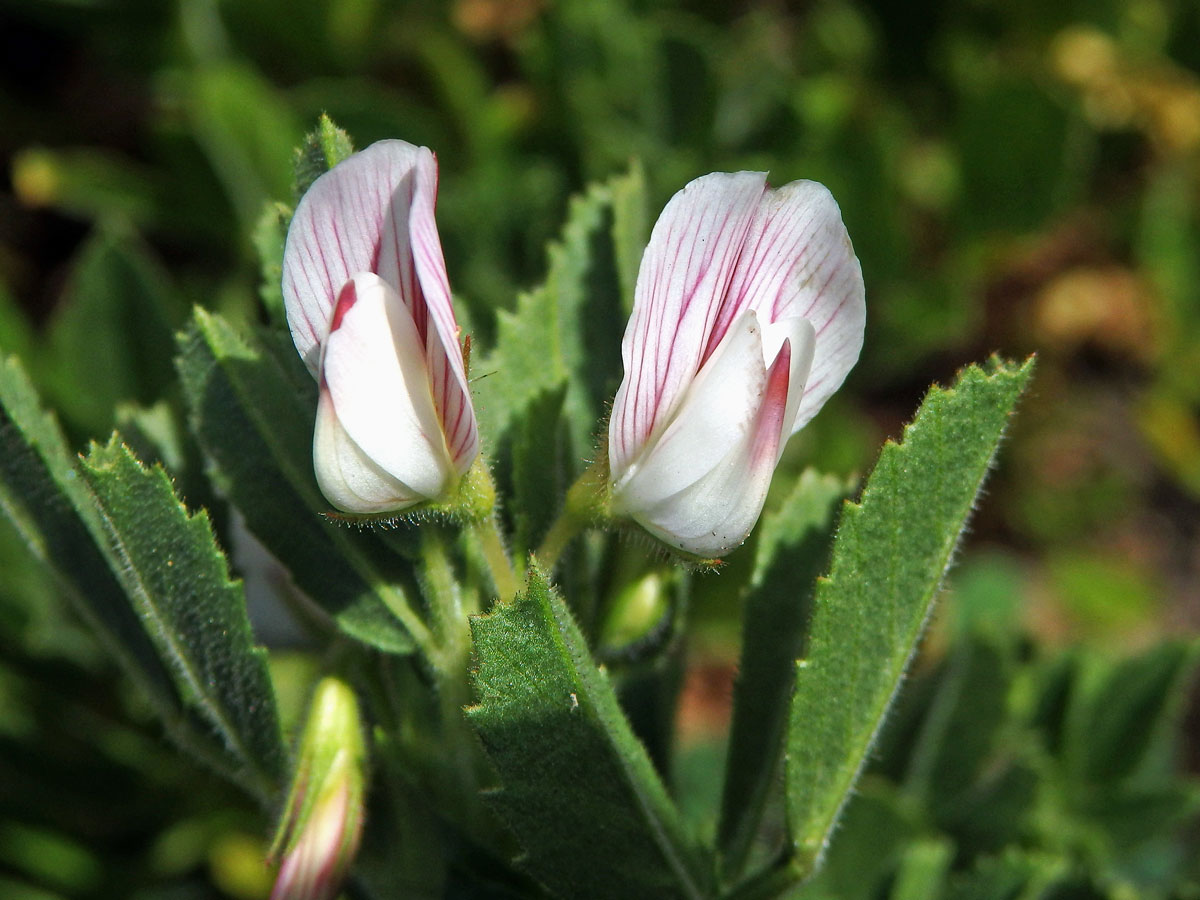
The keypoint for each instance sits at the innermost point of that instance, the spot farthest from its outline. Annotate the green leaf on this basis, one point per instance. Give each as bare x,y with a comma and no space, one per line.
577,788
177,580
110,340
889,557
269,236
1016,875
793,547
960,726
539,471
923,870
16,331
323,148
872,837
1118,716
630,230
255,425
43,497
566,332
247,131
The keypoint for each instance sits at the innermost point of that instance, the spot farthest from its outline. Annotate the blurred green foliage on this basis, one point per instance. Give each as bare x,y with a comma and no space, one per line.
1016,176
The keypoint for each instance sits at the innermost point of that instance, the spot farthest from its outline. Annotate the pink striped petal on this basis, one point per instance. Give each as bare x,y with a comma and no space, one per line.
436,322
682,283
374,373
798,261
701,485
337,231
374,213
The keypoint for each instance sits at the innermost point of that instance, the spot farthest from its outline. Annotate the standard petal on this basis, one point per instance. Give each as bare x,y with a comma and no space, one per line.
374,367
337,232
347,476
798,262
436,320
681,286
715,513
715,416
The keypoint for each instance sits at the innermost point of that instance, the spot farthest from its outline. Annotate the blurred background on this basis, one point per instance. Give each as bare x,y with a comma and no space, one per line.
1017,177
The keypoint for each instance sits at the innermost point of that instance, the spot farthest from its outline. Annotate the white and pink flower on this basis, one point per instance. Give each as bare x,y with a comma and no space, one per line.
748,313
368,302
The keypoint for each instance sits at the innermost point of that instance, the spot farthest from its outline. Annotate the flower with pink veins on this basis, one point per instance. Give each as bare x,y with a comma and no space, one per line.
368,303
748,313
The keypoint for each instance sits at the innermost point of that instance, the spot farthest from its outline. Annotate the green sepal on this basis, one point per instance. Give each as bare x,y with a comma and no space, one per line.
472,499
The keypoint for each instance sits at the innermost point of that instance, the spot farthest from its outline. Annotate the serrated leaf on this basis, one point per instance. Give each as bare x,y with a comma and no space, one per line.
577,788
891,552
176,577
565,332
42,495
256,428
792,549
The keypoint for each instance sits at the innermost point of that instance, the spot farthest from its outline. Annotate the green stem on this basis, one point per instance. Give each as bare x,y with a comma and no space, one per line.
504,577
561,533
442,590
587,504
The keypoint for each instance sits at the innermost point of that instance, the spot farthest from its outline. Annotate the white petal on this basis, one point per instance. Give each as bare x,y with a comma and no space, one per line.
713,509
374,367
682,282
450,390
714,416
347,476
337,231
798,261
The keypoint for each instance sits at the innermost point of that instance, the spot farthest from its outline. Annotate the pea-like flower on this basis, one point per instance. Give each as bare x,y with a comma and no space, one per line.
748,313
368,303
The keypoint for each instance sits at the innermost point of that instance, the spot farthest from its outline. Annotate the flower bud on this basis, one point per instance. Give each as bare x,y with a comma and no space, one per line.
368,303
322,823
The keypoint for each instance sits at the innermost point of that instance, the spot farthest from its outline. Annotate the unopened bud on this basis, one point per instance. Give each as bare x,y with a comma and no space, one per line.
321,826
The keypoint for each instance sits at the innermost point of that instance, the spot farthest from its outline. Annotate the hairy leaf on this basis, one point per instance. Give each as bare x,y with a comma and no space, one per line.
577,788
256,427
567,331
792,550
52,510
176,578
323,148
889,557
